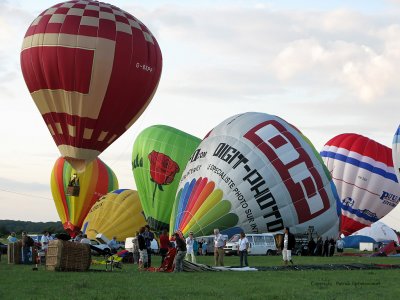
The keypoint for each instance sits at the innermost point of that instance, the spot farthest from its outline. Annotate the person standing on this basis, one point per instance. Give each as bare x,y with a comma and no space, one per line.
320,244
243,249
326,247
200,250
311,247
164,241
135,248
219,244
181,252
113,244
143,259
287,246
45,241
195,247
340,246
148,237
332,244
27,243
190,248
12,238
204,247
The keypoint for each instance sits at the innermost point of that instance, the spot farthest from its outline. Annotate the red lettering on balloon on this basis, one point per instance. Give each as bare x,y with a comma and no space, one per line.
295,167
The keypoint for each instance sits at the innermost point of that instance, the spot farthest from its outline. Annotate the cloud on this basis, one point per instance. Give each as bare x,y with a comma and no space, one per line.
14,187
258,51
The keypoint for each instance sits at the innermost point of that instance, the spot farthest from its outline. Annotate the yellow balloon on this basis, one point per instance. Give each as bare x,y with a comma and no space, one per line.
119,213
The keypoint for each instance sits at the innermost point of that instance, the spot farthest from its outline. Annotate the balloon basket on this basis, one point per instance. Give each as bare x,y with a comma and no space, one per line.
73,191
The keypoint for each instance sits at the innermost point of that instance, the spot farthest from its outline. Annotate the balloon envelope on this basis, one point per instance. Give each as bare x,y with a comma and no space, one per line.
396,153
256,173
159,156
97,180
118,213
363,173
91,69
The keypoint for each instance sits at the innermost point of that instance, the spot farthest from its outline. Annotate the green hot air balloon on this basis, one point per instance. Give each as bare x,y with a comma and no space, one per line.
160,154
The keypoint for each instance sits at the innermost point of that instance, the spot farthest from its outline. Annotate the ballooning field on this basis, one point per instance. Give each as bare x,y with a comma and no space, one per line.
19,281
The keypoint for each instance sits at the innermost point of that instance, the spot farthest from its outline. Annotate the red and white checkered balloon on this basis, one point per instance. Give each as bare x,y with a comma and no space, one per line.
91,69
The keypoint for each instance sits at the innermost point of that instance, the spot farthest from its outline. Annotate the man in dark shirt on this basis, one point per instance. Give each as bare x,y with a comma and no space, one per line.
142,250
148,237
181,252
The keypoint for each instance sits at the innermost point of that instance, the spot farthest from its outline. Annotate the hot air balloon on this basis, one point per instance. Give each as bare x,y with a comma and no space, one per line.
363,173
159,155
91,69
97,180
118,213
396,153
255,173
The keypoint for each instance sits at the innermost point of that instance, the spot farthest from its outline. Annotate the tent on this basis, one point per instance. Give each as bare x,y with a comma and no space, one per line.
379,232
353,241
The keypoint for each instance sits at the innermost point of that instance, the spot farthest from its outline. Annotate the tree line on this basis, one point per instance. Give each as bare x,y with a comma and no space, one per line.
8,226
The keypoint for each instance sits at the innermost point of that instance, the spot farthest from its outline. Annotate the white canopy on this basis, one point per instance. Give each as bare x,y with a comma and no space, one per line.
379,232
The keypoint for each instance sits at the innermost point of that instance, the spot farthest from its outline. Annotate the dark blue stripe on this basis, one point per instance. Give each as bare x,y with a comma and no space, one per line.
360,164
358,213
119,191
84,227
396,138
398,131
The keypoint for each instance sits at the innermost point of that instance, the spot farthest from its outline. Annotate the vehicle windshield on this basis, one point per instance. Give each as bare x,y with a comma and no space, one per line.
234,238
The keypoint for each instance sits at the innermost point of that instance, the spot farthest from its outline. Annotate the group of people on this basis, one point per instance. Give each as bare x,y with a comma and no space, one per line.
142,247
27,243
186,248
325,248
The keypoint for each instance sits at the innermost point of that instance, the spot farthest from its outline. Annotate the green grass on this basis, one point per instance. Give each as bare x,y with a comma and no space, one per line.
20,282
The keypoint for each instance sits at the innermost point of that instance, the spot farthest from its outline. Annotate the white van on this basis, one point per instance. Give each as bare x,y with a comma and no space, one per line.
259,244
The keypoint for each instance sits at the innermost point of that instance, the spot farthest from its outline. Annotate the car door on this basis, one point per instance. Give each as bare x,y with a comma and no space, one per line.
270,244
258,245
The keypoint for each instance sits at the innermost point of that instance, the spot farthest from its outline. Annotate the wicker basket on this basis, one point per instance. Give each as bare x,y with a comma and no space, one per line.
67,256
14,253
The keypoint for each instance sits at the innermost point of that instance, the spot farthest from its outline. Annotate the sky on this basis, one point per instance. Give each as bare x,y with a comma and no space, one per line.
327,67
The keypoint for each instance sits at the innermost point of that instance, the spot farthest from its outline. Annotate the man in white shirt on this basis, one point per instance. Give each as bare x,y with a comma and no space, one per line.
340,246
219,244
189,248
287,246
243,248
45,241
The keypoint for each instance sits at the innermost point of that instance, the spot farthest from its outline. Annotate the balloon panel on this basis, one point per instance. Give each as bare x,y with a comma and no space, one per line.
363,173
256,173
91,69
97,180
118,213
159,155
396,153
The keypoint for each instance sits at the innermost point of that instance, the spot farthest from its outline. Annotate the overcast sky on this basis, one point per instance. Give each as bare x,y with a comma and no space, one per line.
327,67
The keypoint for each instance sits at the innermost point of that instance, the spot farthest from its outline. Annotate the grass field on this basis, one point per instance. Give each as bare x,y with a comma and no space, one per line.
20,282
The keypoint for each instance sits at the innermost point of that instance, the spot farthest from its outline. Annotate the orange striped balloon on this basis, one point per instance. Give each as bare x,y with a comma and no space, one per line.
97,180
